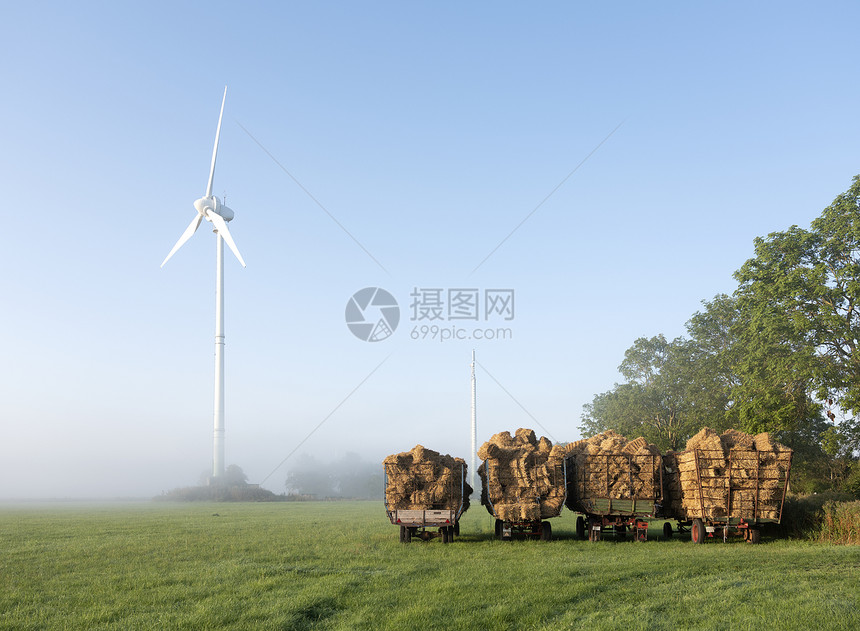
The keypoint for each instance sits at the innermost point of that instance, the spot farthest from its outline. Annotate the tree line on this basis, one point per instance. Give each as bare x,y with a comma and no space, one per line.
346,477
781,354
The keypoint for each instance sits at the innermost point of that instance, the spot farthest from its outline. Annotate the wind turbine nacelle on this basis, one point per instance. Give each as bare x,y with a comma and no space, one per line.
212,204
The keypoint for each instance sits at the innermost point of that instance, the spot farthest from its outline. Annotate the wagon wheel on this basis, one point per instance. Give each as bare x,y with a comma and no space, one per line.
580,527
755,535
667,530
402,530
457,528
546,531
499,529
620,532
697,531
405,534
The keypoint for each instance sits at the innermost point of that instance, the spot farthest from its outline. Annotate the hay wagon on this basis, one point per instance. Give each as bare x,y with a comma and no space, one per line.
731,492
522,495
432,511
614,492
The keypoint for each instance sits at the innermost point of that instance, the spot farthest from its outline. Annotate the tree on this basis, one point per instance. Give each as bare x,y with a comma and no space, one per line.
669,395
234,476
309,477
800,298
347,477
355,478
631,410
713,332
837,446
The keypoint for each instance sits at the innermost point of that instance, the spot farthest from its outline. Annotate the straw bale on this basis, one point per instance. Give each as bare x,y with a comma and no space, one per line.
489,450
527,436
557,452
634,445
519,511
610,445
732,438
763,442
706,439
544,446
551,506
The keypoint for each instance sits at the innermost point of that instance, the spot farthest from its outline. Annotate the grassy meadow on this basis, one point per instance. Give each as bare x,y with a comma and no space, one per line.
339,565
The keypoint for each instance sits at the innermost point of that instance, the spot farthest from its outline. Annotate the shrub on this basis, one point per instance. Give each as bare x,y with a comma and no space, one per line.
221,493
803,515
840,523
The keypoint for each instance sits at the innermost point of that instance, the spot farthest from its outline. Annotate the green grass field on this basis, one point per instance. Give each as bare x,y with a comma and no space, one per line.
339,565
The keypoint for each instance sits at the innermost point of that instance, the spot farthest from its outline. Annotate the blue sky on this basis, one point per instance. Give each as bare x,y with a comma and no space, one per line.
429,131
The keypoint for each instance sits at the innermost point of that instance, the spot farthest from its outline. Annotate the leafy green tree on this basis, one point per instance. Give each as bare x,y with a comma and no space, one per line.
632,410
838,447
714,338
800,303
669,394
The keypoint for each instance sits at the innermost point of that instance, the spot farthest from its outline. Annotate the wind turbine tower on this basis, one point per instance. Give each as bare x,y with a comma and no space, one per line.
473,470
215,212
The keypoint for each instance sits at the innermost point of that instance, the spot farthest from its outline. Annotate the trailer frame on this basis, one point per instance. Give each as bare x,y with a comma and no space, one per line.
742,495
415,523
601,513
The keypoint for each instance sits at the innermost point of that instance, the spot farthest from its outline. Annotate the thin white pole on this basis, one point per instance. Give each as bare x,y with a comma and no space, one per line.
473,470
218,446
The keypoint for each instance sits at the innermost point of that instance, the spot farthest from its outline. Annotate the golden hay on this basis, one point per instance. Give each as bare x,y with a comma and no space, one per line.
521,477
706,439
609,466
732,475
423,479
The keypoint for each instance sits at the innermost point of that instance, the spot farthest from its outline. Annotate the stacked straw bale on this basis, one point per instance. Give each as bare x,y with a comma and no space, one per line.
610,466
737,476
522,478
423,479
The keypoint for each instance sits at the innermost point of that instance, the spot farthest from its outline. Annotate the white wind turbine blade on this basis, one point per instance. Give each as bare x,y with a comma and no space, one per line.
190,230
215,149
221,226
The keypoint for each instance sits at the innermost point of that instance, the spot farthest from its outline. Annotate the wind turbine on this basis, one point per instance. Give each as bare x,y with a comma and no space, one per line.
212,210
